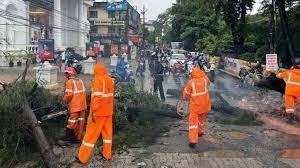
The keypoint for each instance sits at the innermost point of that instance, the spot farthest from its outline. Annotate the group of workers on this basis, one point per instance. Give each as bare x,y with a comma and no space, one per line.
100,115
99,120
102,102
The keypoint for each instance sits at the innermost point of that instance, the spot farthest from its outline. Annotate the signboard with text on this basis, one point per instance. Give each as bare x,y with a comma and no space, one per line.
271,62
232,65
117,6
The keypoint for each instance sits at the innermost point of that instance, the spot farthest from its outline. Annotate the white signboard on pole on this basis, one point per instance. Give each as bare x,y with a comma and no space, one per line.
271,62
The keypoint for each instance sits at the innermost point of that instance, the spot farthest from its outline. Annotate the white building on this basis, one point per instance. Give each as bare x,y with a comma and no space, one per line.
71,27
67,22
14,31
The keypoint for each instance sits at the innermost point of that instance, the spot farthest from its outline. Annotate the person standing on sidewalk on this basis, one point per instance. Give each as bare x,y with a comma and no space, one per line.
158,78
196,91
292,90
75,97
100,117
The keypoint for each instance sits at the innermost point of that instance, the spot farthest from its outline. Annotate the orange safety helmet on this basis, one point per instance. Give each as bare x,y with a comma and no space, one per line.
70,72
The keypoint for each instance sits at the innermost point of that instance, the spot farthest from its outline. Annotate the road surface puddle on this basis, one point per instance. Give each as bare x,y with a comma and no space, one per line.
236,135
222,154
293,153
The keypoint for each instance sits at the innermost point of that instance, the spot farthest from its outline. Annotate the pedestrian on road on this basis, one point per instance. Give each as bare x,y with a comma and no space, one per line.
196,91
292,90
75,97
100,117
158,78
58,61
121,68
152,62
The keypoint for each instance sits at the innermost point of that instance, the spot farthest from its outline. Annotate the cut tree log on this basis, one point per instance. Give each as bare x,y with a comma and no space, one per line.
3,85
45,149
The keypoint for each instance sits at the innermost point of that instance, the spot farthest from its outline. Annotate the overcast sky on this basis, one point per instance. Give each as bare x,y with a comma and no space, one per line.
156,7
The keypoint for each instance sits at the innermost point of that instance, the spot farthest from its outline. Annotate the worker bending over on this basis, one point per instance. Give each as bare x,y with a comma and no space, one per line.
75,97
292,89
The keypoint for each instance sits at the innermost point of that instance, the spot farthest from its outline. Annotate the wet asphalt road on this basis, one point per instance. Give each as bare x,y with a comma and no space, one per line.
261,142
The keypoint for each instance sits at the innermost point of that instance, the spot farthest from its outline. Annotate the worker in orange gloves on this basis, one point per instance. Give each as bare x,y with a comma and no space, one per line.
196,91
75,97
292,89
100,117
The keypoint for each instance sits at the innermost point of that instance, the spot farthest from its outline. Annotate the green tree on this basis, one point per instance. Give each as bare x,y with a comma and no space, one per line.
193,20
234,13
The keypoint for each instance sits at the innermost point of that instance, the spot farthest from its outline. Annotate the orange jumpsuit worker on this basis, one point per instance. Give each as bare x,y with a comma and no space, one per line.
292,90
197,91
100,117
75,97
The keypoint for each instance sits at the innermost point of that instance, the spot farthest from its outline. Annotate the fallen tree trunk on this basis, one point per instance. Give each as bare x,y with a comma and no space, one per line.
3,85
45,149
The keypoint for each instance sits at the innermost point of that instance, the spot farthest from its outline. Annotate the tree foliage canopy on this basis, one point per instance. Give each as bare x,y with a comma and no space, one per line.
218,26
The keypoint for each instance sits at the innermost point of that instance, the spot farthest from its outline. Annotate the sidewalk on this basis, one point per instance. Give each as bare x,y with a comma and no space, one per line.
185,160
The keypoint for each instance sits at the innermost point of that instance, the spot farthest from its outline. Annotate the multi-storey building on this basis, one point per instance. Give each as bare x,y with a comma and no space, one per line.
115,23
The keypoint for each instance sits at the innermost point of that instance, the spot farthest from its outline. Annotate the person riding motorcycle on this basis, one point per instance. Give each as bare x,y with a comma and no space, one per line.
121,68
202,61
141,66
186,63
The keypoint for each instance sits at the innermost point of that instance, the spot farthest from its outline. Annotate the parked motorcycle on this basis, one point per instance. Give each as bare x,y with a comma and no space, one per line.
249,76
256,73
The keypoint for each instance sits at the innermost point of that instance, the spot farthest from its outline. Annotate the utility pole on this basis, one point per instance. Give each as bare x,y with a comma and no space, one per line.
273,28
143,11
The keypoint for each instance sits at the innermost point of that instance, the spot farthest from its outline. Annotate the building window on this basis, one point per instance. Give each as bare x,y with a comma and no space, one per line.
123,16
93,14
94,30
111,14
111,29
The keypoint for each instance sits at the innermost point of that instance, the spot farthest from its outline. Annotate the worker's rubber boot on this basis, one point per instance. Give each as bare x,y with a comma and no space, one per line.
192,145
74,139
69,135
65,141
103,158
291,117
200,134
